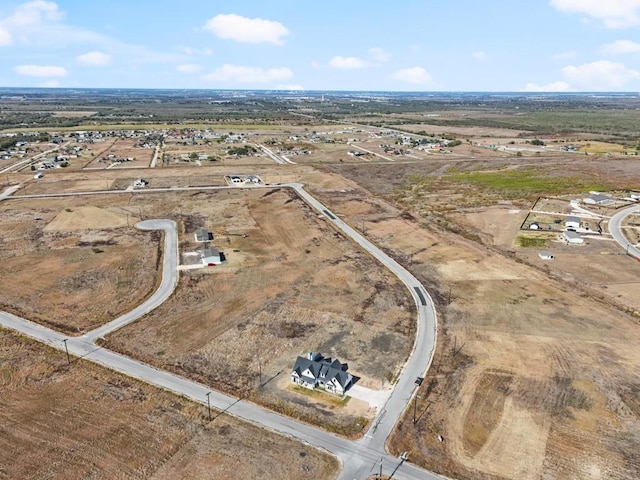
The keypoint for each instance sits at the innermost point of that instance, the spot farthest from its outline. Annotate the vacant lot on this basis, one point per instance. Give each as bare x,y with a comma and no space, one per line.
86,422
74,268
528,360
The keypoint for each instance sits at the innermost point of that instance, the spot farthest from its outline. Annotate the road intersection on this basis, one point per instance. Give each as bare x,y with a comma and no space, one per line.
360,458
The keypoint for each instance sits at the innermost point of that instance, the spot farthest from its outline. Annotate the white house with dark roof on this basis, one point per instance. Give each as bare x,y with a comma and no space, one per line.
314,370
203,235
597,199
572,237
211,256
572,222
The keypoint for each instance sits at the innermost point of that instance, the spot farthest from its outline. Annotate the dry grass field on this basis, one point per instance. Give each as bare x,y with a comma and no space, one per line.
73,268
84,422
536,357
291,284
536,370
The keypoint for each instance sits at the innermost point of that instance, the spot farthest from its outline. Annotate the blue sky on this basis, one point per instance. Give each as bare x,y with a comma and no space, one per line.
410,45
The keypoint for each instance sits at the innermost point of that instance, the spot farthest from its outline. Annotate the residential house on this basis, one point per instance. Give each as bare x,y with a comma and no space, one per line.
203,235
572,222
597,199
572,237
211,256
140,182
316,371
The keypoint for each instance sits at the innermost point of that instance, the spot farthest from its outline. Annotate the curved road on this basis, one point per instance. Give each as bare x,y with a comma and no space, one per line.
615,223
167,285
360,458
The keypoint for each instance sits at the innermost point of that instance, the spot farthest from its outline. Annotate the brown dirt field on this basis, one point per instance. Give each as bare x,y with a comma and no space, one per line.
81,278
330,297
541,364
87,422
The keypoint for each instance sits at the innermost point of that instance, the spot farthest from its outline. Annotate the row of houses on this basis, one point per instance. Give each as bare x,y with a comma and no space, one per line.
209,256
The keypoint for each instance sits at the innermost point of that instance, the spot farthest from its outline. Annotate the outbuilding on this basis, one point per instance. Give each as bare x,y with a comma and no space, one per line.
546,255
572,222
572,237
203,235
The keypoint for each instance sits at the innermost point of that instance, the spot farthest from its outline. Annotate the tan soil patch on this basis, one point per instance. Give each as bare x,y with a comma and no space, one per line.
87,422
87,218
573,359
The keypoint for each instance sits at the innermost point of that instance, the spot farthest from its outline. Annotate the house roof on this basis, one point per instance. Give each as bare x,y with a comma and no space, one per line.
211,252
571,235
322,368
572,219
599,198
203,235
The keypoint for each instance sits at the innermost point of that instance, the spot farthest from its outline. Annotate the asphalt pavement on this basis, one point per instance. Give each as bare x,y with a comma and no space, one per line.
615,223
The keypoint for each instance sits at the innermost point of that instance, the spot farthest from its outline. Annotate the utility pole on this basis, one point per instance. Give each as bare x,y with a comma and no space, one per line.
260,370
209,405
380,476
67,350
415,407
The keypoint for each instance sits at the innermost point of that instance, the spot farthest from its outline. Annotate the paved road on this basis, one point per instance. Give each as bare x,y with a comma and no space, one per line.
424,346
276,158
9,191
21,164
167,285
615,229
360,458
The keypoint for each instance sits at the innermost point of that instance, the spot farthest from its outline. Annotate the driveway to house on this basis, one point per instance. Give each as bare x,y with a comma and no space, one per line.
615,229
360,458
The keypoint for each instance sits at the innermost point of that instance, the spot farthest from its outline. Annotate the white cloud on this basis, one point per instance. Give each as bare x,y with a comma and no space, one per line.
479,55
32,14
621,47
26,16
379,55
189,68
549,87
242,74
5,37
564,55
415,75
347,63
194,51
601,75
613,13
246,30
44,71
94,59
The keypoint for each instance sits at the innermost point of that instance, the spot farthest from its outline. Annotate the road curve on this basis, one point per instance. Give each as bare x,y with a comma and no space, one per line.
425,341
360,458
167,285
615,224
